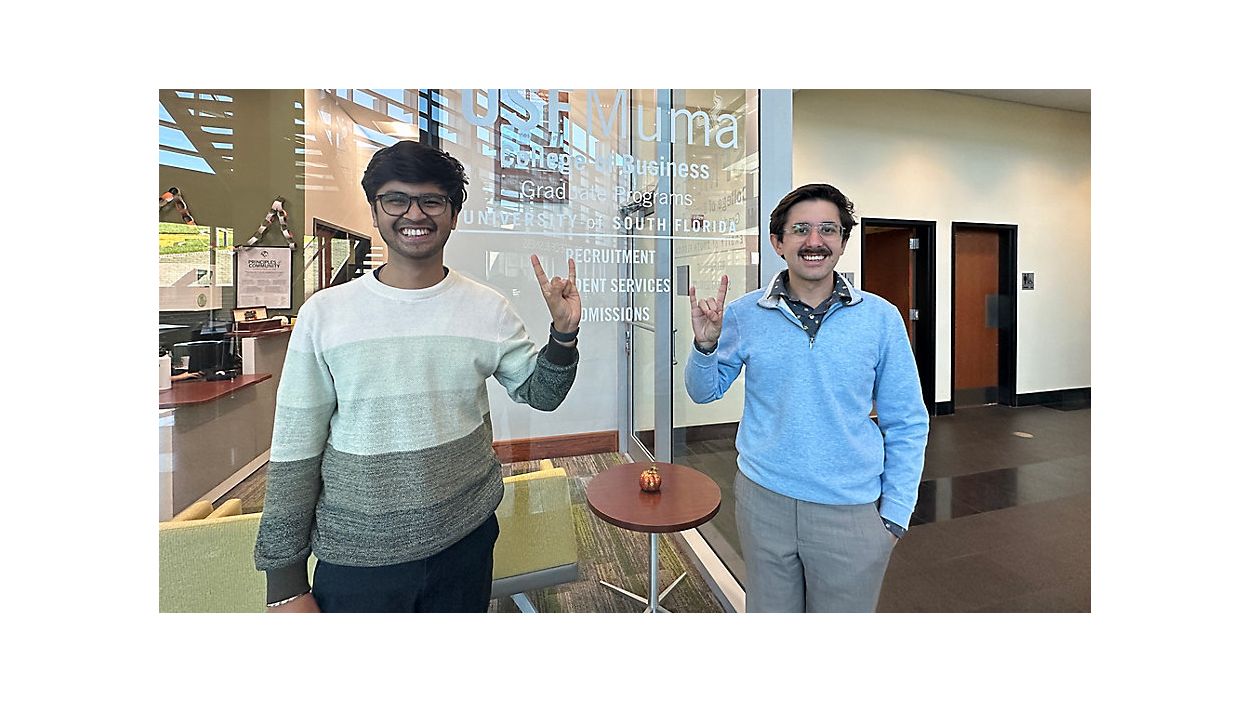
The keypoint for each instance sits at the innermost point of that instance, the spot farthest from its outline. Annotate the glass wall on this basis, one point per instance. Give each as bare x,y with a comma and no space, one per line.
646,191
722,212
225,157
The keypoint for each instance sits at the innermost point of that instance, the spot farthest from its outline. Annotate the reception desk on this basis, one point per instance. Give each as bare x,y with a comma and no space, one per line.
184,393
214,434
263,351
217,433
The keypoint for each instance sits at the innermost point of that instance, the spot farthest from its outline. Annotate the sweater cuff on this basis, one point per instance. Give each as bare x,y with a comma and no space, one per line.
895,529
286,581
701,358
895,513
559,354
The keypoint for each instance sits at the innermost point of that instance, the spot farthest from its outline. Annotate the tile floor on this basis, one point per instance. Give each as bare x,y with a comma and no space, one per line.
1002,520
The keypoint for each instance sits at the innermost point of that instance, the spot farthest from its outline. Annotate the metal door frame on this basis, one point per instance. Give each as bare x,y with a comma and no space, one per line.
664,358
926,297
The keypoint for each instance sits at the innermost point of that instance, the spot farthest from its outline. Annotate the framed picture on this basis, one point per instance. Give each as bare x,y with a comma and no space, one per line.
263,277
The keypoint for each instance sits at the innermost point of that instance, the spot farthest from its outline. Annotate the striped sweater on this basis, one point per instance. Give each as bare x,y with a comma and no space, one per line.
382,438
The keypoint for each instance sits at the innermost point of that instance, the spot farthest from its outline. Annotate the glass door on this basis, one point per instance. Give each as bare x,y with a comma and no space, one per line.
719,215
645,213
693,221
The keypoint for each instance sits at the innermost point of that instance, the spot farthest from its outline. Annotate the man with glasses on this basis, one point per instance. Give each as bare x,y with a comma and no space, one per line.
382,463
822,491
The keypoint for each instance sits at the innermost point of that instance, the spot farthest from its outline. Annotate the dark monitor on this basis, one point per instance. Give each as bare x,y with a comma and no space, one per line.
202,355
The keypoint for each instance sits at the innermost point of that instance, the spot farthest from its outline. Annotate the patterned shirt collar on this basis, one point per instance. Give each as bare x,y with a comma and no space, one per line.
782,288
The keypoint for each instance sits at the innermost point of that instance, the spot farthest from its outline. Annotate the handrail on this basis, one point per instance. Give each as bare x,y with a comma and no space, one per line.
310,260
357,257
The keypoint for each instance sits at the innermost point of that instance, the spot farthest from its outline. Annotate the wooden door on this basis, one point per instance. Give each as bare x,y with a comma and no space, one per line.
890,270
976,325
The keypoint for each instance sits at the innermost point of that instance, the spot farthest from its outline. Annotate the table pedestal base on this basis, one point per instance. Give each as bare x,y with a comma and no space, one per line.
653,601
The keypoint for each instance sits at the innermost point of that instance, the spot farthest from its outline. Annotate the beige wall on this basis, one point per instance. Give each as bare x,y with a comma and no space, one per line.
928,155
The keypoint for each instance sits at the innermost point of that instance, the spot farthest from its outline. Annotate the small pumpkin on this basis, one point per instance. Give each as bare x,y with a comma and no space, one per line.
649,480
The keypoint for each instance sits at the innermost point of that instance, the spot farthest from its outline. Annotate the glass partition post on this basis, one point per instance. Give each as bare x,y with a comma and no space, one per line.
664,360
640,216
650,209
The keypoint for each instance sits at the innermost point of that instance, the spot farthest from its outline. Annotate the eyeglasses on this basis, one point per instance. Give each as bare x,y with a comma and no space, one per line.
396,204
826,229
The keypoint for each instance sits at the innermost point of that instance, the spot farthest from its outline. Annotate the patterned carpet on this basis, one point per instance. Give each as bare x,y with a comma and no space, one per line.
605,552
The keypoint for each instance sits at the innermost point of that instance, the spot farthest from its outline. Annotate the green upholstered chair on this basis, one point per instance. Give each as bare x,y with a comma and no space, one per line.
537,546
206,564
198,510
234,506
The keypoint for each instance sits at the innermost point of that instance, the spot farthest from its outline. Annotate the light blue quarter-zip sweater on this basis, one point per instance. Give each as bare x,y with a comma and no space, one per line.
805,430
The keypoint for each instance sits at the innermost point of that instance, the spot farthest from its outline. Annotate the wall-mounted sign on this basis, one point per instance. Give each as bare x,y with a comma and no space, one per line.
263,277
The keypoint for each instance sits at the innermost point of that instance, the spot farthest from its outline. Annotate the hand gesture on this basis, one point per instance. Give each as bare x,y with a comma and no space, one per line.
561,295
706,316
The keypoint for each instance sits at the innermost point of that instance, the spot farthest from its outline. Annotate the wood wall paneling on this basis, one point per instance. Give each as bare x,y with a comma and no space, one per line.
532,448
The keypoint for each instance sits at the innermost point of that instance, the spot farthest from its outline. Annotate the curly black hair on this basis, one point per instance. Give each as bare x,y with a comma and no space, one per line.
414,162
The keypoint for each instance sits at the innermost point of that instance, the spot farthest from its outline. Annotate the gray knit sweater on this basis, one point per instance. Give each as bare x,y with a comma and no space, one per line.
382,438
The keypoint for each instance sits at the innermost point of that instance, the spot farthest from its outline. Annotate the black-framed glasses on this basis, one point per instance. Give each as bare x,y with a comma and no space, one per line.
826,229
396,204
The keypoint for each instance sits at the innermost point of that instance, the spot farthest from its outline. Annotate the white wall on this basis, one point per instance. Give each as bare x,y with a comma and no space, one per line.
928,155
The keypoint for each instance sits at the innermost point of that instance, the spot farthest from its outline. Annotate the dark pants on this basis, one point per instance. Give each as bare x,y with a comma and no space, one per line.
456,580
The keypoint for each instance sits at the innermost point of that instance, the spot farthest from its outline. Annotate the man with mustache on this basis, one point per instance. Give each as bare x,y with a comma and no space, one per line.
822,492
382,463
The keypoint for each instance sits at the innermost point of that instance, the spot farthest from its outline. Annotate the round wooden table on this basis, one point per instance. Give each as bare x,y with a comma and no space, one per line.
686,499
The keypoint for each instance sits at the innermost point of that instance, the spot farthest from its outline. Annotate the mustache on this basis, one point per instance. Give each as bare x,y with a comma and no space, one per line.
819,250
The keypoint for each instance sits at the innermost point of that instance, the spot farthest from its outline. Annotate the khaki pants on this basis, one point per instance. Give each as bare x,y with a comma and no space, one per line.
808,557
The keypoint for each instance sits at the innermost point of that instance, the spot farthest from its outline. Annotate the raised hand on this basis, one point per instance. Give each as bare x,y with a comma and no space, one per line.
561,295
707,315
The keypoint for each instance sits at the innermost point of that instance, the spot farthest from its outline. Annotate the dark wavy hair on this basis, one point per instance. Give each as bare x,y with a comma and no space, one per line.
813,191
414,162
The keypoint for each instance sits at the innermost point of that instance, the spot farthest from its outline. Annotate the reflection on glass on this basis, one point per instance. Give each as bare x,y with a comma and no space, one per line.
721,210
228,154
598,176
